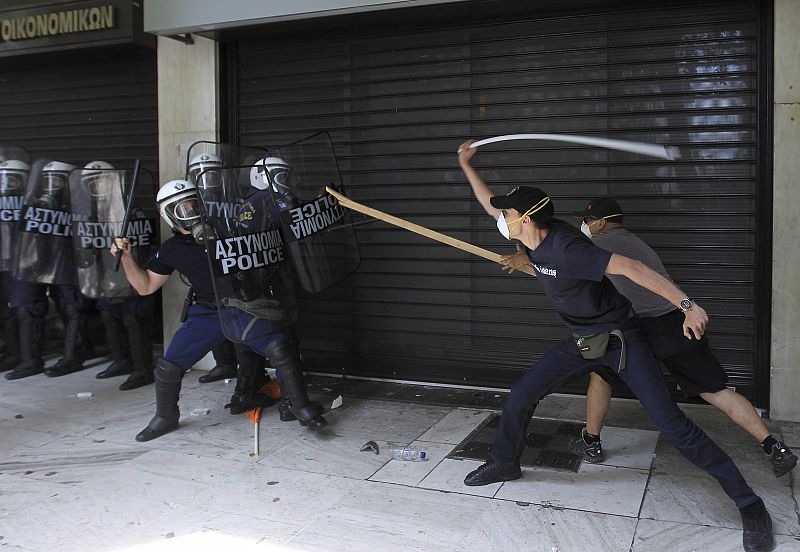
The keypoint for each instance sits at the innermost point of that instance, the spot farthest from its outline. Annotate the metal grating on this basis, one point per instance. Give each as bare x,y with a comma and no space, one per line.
545,444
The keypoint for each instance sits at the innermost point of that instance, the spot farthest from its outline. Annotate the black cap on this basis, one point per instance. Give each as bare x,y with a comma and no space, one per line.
602,207
529,201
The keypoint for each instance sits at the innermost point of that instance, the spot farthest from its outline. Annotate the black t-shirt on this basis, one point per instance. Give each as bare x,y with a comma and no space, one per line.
572,272
183,254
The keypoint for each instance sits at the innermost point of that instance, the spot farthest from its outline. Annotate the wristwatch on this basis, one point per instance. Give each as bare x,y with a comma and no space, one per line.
686,304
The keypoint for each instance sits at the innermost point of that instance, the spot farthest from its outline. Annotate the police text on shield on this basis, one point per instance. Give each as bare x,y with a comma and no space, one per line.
248,252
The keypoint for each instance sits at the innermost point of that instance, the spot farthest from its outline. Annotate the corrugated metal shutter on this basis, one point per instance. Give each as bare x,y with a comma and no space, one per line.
83,105
399,97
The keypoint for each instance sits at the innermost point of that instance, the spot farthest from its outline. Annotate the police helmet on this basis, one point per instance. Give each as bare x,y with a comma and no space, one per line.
270,170
201,172
178,204
13,176
95,181
54,177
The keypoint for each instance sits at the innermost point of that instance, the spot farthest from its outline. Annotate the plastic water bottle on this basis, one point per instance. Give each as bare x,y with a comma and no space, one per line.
408,454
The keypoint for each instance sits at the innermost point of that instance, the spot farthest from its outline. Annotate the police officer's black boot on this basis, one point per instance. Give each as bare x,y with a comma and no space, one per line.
119,365
225,358
168,390
283,356
71,361
251,377
30,342
11,335
141,352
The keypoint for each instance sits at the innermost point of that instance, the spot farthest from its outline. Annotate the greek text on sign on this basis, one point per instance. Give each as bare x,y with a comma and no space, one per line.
248,252
47,221
10,207
315,216
100,235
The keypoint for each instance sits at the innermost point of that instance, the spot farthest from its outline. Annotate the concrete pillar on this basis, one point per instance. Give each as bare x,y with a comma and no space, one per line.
188,110
785,346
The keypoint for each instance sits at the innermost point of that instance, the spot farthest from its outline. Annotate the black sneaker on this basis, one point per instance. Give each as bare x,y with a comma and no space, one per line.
756,527
783,460
492,472
591,452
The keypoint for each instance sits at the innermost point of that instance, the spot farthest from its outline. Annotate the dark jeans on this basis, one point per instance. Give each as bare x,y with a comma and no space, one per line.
643,377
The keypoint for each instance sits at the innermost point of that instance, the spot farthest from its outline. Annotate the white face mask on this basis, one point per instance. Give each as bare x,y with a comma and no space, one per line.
502,226
585,227
585,230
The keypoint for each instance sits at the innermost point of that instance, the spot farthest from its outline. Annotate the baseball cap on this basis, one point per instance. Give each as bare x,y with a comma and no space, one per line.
529,201
601,207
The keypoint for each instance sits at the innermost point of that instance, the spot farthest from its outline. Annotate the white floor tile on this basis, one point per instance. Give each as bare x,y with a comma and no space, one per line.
602,489
510,527
411,473
449,476
456,426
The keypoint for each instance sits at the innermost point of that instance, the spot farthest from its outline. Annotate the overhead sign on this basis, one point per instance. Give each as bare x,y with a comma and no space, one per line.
57,23
69,25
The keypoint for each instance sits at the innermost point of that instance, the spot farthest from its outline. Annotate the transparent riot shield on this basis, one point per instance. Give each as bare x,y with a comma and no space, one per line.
319,232
14,173
202,156
98,199
44,241
249,265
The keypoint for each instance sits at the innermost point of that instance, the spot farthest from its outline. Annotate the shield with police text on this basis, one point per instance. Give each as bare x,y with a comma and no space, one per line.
44,241
14,172
249,264
319,232
98,199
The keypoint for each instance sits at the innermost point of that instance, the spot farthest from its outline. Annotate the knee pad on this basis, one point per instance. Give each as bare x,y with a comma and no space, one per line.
168,372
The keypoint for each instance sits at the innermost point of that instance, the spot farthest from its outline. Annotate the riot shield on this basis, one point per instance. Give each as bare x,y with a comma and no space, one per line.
14,173
44,249
98,199
319,232
249,265
202,156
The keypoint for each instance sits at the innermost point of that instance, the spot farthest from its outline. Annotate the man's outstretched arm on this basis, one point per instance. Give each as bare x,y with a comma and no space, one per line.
482,192
145,282
696,318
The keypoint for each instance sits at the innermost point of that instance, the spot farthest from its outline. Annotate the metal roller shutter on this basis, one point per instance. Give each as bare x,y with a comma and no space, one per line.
400,91
83,105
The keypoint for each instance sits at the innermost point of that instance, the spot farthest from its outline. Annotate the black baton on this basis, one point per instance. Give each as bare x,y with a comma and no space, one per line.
128,209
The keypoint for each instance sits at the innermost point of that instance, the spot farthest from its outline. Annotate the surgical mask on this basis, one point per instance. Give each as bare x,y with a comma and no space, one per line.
585,227
502,226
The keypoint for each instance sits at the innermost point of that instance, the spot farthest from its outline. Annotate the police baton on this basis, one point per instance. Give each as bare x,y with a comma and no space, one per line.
128,209
422,231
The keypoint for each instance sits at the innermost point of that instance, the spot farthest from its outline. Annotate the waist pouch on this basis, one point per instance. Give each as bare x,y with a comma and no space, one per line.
592,347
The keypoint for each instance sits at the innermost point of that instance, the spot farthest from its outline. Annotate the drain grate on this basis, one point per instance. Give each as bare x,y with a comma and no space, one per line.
545,444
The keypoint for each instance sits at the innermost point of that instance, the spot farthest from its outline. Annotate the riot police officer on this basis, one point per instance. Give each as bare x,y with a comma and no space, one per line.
45,259
13,179
179,206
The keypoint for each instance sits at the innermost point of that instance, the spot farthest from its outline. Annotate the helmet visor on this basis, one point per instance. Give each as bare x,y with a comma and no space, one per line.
209,180
99,185
10,182
187,212
52,183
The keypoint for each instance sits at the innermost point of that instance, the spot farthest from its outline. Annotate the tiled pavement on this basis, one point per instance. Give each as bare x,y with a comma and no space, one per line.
73,478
